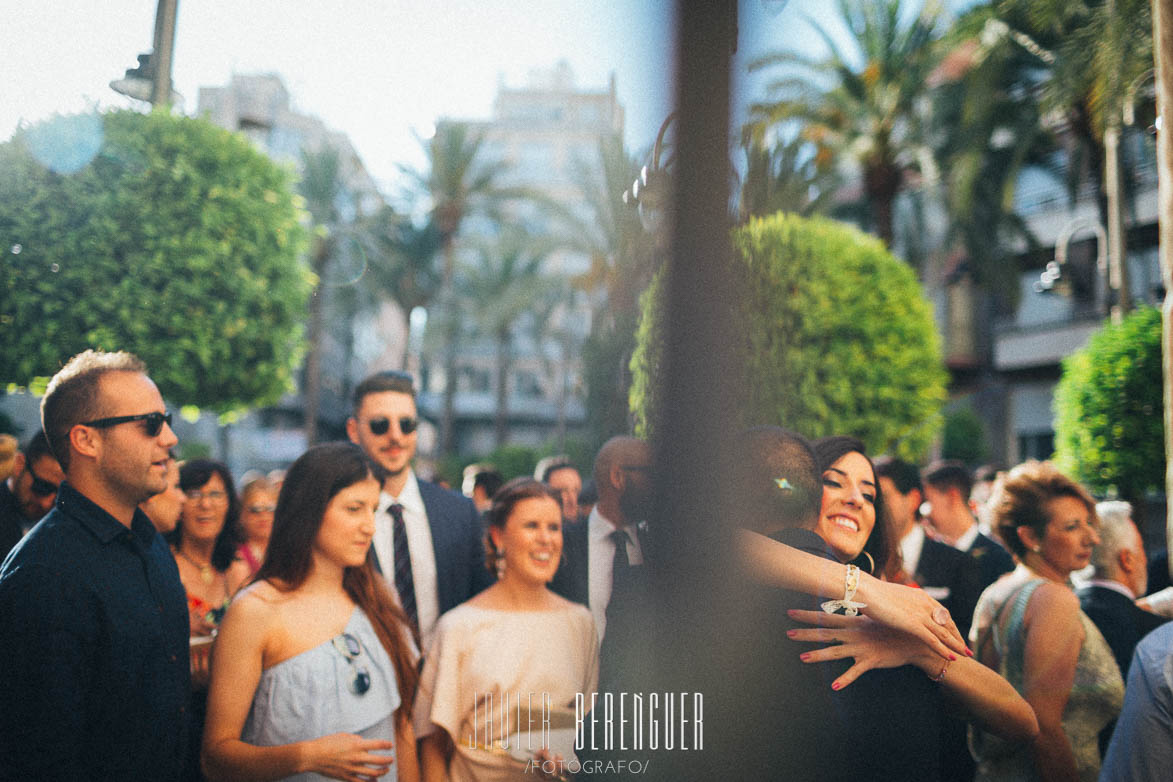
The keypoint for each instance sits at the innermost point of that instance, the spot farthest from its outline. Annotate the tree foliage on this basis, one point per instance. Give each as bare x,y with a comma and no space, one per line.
862,102
178,241
963,436
837,337
987,127
623,257
1108,424
784,177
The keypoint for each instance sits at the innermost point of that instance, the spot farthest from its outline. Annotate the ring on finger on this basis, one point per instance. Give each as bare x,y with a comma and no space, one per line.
941,616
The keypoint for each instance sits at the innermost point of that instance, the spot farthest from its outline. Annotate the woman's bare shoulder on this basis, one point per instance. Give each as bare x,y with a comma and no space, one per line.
1053,605
258,602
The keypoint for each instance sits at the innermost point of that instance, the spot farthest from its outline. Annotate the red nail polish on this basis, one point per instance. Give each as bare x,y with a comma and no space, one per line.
791,633
836,686
969,651
804,656
952,658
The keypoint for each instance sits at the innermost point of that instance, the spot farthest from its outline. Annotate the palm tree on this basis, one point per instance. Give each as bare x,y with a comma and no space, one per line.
458,182
623,258
1096,52
987,127
783,177
865,105
323,189
502,284
403,261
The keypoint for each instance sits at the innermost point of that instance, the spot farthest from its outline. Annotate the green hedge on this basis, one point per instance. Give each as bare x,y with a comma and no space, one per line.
838,337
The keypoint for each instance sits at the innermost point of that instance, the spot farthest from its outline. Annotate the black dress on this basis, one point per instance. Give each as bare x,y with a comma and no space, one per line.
883,726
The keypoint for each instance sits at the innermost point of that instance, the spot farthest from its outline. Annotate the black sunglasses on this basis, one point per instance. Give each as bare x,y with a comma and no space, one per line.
154,421
349,647
40,486
407,425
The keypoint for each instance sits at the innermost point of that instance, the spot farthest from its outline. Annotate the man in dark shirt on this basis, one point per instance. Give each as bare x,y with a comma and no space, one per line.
947,487
94,676
29,492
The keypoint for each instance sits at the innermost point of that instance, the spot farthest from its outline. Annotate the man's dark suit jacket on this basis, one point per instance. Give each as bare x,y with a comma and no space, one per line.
458,544
992,558
941,565
1119,620
572,580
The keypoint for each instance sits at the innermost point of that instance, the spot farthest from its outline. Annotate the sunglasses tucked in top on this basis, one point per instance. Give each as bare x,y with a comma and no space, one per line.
378,426
154,422
350,648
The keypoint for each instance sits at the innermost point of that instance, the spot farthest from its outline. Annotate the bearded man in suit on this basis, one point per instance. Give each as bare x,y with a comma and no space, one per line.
428,540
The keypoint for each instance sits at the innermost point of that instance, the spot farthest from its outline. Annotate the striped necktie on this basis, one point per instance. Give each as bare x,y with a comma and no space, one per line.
404,582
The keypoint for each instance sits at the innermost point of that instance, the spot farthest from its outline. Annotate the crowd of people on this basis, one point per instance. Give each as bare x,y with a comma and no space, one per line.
347,619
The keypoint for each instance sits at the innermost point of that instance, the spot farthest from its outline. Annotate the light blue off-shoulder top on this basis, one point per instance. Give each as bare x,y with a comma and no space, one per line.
309,696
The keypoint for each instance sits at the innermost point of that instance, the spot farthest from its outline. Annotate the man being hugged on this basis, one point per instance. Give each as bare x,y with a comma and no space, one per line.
93,621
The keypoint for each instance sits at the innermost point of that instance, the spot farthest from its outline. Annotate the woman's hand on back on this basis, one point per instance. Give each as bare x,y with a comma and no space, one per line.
869,643
912,611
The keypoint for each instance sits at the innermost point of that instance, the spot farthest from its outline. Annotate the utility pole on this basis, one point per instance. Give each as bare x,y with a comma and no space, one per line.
1162,47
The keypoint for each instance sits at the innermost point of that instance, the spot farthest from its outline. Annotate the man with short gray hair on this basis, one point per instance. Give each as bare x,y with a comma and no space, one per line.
1120,577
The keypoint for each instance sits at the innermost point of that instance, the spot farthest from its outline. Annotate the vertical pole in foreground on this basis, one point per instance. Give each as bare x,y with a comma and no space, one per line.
698,386
1162,49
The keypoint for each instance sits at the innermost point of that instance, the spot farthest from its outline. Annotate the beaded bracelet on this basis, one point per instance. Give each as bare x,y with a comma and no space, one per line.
848,604
940,676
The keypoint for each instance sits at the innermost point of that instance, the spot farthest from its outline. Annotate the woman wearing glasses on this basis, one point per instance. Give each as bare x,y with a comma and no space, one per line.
258,501
514,653
205,540
313,673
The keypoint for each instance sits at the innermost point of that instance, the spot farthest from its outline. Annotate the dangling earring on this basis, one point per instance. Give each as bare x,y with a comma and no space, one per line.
500,564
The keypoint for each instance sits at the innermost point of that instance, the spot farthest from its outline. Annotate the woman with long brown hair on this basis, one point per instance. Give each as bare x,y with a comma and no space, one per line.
313,673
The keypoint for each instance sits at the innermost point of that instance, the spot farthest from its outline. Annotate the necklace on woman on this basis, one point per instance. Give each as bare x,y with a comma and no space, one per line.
206,572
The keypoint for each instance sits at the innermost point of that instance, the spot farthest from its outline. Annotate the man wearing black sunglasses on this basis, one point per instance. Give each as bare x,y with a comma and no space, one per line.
428,540
29,492
94,679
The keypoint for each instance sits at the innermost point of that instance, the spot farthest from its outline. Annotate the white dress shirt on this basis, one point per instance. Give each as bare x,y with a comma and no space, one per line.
1115,586
601,559
423,555
965,542
911,546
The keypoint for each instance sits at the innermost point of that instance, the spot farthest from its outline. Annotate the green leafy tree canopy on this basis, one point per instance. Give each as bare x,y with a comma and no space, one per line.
837,337
1108,425
177,241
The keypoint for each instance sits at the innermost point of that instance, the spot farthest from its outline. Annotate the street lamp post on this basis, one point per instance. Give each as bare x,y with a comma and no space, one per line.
165,15
151,80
